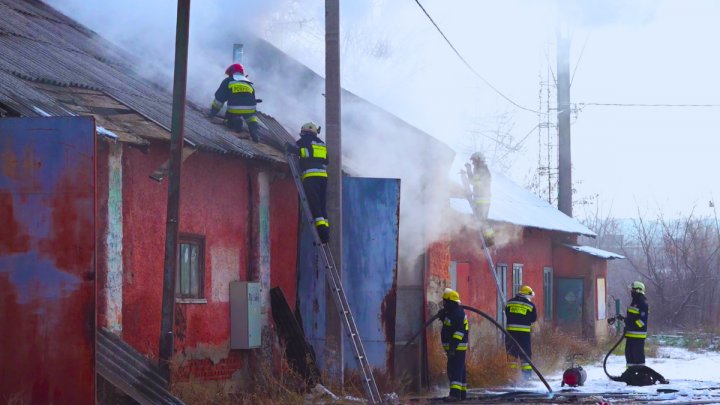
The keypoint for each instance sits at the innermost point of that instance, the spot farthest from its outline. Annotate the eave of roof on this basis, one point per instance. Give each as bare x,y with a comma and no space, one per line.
593,251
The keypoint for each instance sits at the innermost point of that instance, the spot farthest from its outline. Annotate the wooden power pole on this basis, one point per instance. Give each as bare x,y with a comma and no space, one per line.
173,204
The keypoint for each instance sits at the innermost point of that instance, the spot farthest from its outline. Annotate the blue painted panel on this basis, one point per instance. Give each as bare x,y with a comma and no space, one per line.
311,293
47,253
370,253
370,249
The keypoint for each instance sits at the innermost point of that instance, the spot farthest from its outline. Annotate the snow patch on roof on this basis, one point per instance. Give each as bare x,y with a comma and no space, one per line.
513,204
603,254
106,132
41,112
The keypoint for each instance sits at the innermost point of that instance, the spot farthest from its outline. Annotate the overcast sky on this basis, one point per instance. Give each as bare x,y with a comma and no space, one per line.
627,52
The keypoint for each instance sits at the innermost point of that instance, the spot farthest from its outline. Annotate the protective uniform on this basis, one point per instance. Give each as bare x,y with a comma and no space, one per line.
636,326
480,181
239,94
520,313
313,172
454,337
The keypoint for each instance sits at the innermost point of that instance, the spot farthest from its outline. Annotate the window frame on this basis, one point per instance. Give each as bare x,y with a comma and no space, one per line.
199,241
548,296
517,269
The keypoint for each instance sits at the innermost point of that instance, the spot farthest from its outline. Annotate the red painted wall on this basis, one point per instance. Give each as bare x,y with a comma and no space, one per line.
532,248
215,203
284,229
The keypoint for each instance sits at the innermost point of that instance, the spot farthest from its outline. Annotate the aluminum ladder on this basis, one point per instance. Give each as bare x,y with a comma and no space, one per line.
338,293
486,250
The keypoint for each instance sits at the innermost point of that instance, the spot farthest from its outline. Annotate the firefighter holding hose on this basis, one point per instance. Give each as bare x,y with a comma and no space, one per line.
520,313
454,336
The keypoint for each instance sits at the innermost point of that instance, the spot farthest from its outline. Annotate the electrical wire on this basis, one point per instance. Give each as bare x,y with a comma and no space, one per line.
487,83
645,105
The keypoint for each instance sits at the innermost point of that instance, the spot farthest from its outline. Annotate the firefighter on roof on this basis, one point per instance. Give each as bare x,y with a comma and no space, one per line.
454,336
520,313
239,94
636,326
313,167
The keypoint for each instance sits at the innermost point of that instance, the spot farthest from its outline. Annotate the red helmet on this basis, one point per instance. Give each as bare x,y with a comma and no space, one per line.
235,68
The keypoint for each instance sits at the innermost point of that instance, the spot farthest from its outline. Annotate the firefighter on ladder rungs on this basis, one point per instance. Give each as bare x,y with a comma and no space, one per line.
520,313
313,167
480,181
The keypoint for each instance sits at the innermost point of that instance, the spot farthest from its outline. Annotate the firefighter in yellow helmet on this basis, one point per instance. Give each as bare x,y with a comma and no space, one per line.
636,326
520,313
314,175
454,337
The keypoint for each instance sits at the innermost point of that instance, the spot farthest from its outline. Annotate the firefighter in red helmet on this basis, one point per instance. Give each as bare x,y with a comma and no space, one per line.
239,94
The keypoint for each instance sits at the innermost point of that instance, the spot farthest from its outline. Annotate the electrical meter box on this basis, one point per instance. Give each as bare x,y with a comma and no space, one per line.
245,328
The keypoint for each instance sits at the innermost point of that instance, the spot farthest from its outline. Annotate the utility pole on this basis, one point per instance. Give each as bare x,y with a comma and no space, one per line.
334,359
173,203
563,101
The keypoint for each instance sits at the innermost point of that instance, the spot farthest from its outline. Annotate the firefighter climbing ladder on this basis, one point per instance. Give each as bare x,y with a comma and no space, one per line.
335,283
486,250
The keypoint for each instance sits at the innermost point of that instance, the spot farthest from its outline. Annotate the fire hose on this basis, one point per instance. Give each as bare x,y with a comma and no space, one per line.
497,325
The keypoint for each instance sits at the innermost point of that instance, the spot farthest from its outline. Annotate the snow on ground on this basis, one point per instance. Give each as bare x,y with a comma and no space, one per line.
696,376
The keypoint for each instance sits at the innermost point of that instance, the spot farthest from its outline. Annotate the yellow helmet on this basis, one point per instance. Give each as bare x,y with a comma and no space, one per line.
452,295
310,127
638,286
526,290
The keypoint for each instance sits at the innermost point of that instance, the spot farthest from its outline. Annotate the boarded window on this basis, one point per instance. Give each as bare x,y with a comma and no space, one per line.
548,292
601,302
517,277
191,269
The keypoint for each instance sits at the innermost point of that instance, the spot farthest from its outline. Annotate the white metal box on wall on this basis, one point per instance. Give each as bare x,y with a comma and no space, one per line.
245,328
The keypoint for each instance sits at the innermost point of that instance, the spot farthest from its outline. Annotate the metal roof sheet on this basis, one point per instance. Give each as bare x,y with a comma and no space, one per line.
40,44
593,251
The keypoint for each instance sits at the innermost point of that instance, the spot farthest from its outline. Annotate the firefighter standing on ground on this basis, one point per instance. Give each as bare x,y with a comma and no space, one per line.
454,337
313,168
520,313
239,93
636,326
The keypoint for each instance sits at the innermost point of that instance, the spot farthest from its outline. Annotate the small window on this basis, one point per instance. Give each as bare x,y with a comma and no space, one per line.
191,270
548,292
517,277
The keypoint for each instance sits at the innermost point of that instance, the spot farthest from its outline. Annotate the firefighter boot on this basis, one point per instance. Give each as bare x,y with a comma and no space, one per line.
253,129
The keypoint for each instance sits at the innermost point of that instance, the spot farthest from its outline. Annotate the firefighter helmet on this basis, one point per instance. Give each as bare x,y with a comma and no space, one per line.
451,295
638,286
477,157
235,68
310,127
527,291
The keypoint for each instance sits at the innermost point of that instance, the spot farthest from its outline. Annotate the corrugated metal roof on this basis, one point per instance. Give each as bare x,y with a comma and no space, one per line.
513,204
593,251
40,44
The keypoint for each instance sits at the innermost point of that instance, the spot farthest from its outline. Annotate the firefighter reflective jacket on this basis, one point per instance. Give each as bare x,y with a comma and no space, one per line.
637,316
313,156
520,313
455,329
239,93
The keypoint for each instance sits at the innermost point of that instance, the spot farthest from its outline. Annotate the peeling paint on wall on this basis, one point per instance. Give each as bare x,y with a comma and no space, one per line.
224,268
264,245
114,240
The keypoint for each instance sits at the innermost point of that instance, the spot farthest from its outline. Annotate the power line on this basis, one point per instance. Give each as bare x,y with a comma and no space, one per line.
645,105
508,99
